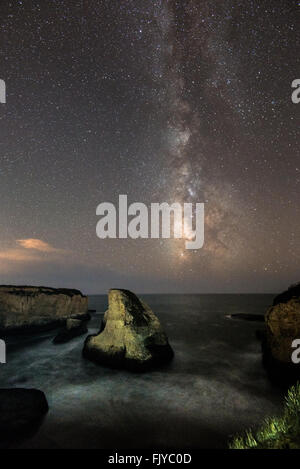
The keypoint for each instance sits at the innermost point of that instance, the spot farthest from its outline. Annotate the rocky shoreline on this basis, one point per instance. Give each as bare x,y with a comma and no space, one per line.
131,337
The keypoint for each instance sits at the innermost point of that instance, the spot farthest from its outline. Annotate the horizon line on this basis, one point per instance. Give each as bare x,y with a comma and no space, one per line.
195,293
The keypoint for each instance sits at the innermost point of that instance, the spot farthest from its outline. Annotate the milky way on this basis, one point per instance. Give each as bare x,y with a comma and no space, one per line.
164,101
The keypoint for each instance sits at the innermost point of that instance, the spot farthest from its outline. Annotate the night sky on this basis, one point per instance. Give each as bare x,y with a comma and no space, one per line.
165,101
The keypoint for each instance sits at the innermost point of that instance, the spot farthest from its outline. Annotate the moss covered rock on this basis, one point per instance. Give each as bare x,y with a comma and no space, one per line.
131,337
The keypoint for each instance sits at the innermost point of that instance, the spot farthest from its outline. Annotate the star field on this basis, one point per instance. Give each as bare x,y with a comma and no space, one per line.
164,101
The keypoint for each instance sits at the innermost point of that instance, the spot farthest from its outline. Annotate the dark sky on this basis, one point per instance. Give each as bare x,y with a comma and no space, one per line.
165,101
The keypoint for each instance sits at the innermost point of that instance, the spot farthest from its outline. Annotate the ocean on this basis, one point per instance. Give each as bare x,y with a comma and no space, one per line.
214,388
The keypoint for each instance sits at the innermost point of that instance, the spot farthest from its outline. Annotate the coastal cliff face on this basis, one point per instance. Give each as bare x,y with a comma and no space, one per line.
283,323
38,306
282,328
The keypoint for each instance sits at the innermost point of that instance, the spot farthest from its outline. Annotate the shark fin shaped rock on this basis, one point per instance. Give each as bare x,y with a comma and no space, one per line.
131,336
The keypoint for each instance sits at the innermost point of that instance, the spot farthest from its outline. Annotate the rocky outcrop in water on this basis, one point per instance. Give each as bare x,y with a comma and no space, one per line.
21,413
282,328
73,328
246,317
132,336
24,307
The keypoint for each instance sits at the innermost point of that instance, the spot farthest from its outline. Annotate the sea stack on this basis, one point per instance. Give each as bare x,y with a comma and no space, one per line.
282,328
131,336
25,307
73,328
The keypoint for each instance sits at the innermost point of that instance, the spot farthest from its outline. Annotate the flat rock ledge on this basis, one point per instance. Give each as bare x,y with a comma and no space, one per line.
21,413
131,336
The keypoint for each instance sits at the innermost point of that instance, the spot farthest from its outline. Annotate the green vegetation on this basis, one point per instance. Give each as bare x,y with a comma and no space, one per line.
277,432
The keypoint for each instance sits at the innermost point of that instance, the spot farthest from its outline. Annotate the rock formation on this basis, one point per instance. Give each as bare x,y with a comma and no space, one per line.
131,335
21,413
246,317
282,328
73,328
23,307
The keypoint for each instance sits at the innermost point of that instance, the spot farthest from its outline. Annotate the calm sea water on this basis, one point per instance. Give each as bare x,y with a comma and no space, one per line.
215,387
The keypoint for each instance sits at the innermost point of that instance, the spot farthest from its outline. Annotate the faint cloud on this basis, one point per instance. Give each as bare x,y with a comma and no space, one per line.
37,244
18,255
29,251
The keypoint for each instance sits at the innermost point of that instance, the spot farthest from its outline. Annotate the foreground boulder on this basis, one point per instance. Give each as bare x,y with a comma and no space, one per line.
282,328
21,413
73,328
23,307
132,336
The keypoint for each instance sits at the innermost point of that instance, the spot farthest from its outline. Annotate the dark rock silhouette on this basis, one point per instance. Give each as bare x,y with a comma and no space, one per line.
21,413
247,317
131,336
293,292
